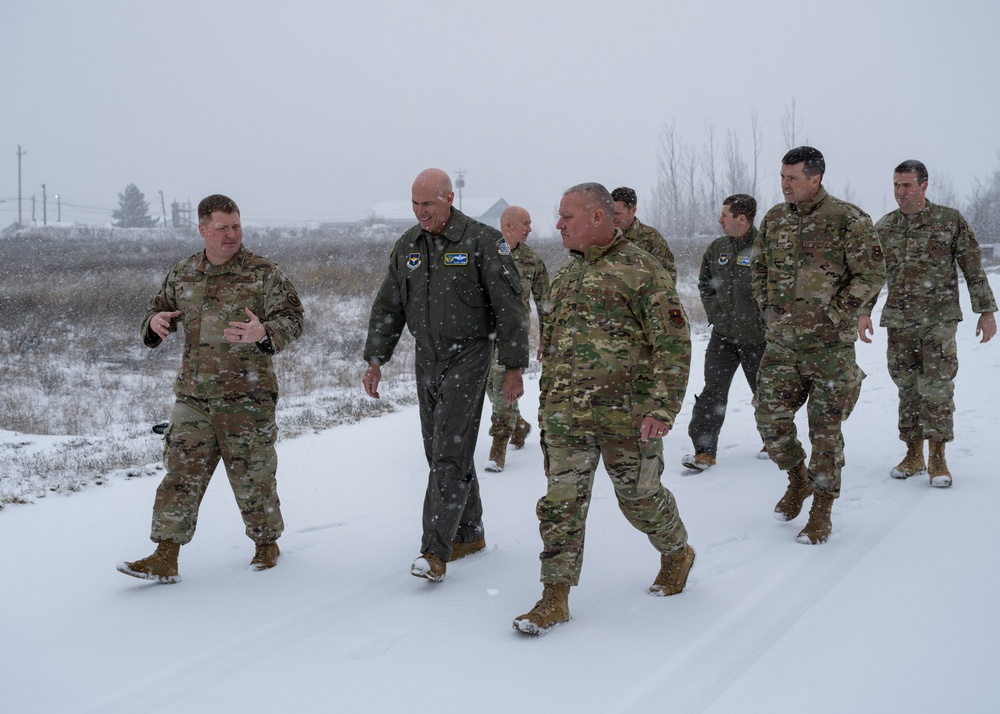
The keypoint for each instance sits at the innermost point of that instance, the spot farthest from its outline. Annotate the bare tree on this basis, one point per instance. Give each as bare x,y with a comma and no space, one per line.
735,166
790,127
757,137
708,163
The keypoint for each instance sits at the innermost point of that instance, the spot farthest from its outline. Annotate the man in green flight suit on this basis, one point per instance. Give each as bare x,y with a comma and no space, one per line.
452,283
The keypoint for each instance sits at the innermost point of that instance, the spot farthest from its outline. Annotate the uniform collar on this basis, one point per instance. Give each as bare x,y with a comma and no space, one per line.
596,252
806,207
454,229
206,267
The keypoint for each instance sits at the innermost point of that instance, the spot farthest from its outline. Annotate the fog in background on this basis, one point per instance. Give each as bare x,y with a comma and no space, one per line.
315,111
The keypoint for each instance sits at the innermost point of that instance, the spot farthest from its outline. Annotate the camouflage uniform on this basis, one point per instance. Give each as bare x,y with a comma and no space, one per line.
616,349
737,334
453,292
815,264
650,240
534,282
922,312
226,392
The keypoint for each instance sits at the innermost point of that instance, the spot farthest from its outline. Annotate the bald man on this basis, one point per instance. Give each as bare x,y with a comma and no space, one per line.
452,282
507,425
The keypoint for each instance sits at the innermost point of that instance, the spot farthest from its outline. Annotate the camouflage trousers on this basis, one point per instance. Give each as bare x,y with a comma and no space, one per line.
451,394
830,380
923,362
241,431
634,467
505,417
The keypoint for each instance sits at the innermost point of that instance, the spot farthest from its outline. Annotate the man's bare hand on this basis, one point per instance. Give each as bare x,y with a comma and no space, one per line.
251,331
513,386
160,324
987,325
373,375
865,328
652,429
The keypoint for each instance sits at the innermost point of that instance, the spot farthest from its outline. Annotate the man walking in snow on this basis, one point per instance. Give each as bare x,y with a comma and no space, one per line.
646,237
616,354
237,310
507,425
452,282
816,261
737,327
923,244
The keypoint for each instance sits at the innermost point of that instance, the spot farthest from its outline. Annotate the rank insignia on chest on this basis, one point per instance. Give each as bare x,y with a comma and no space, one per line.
877,252
413,261
724,259
743,260
456,258
502,247
676,318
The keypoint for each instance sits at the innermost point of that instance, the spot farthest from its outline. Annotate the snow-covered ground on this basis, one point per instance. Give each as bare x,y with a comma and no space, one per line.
897,613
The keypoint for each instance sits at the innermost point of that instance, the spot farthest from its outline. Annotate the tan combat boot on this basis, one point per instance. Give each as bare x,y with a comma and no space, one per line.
698,462
913,463
937,467
498,454
429,567
673,575
460,550
799,489
818,528
551,610
266,556
521,432
160,567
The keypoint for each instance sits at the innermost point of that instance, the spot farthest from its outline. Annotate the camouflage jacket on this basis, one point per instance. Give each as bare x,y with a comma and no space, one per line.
724,283
616,344
650,240
209,297
534,280
920,256
815,264
448,291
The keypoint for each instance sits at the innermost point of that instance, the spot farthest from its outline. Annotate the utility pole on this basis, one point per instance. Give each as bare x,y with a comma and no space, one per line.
45,207
163,205
59,208
33,210
460,184
19,155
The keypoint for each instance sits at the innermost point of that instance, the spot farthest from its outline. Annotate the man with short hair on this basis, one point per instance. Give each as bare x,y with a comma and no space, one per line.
646,237
616,357
452,282
237,310
737,326
506,422
816,262
923,244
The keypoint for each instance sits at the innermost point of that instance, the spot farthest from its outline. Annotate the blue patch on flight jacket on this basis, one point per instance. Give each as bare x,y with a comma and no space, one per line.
503,248
413,261
743,260
456,258
724,258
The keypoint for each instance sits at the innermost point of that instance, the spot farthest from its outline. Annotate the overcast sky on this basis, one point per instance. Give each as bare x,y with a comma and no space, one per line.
316,110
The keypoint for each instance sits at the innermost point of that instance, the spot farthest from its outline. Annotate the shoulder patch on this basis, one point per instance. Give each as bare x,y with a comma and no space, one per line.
413,261
456,259
676,318
292,299
502,247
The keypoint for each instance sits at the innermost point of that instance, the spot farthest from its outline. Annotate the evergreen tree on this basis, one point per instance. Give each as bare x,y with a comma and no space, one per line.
132,211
